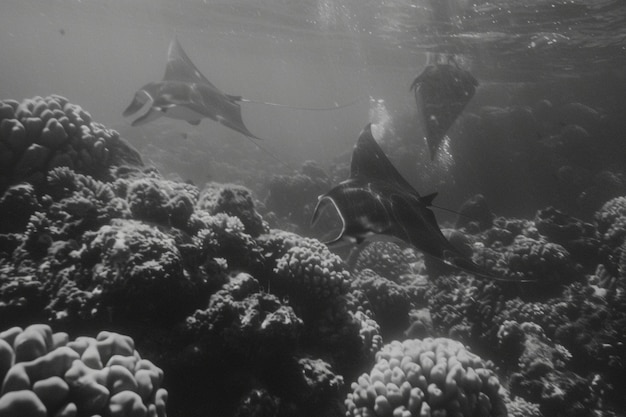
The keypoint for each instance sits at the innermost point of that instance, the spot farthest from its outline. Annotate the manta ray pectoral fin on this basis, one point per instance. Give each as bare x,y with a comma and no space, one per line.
149,116
141,98
319,206
233,98
427,200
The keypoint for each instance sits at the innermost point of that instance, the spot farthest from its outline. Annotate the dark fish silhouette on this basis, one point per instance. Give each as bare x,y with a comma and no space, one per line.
441,93
377,200
185,94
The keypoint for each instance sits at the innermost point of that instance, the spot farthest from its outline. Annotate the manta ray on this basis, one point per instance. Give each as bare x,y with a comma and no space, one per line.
441,93
376,200
186,94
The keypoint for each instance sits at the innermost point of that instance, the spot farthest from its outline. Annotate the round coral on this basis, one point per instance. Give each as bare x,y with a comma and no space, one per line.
308,269
233,200
40,134
44,374
426,377
387,259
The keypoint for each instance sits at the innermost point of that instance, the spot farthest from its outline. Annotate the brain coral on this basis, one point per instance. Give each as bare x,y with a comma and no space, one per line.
45,374
39,134
427,377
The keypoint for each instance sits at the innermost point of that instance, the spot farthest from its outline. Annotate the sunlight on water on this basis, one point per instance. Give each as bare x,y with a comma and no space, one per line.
380,117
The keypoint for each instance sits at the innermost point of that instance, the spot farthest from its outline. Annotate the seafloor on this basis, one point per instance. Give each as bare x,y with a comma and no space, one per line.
123,293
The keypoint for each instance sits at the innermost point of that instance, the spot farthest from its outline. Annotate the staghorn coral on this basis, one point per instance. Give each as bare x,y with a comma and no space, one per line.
233,200
44,373
40,134
426,377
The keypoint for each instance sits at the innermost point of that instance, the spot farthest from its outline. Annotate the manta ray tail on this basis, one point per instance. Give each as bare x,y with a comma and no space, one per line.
270,154
334,107
470,266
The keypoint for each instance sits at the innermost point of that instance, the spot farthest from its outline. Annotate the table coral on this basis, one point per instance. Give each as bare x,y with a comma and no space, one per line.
426,377
44,373
42,133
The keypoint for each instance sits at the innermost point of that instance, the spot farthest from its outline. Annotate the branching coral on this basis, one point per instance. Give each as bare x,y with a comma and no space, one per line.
45,373
40,134
80,203
17,204
427,377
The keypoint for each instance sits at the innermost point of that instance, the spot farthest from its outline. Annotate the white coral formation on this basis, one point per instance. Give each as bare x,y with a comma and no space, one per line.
430,377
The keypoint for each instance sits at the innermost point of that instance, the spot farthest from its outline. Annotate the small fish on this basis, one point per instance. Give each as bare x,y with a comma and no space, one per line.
376,202
441,93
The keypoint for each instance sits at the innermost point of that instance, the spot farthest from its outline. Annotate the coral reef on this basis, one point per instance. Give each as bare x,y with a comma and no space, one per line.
310,272
542,377
427,377
44,373
40,134
233,200
387,259
292,197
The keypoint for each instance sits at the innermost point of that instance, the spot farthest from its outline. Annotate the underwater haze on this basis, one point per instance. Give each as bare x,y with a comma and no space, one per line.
313,208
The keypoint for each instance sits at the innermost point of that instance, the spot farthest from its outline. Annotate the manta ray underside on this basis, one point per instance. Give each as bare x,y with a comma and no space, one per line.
441,93
377,200
186,94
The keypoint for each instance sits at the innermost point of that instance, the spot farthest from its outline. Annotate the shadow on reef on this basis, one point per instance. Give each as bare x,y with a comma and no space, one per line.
250,321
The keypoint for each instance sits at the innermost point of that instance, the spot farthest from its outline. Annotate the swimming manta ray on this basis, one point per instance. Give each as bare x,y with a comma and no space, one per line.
441,93
377,200
186,94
